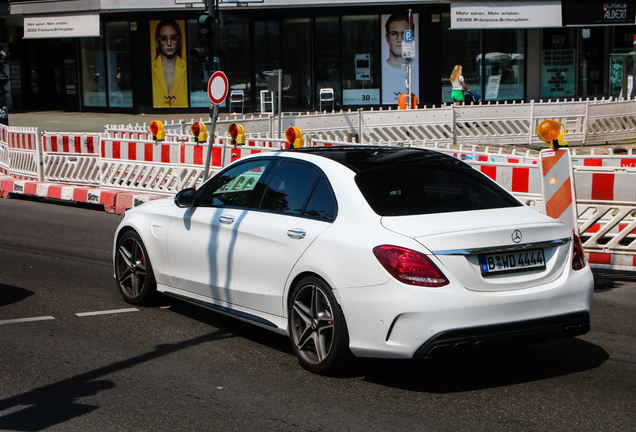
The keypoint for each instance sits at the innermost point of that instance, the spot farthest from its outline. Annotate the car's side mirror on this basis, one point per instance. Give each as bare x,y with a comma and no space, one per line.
185,198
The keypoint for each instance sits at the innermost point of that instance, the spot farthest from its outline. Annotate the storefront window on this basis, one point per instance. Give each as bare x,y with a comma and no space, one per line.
460,47
558,63
621,60
235,49
198,75
327,58
360,67
297,63
503,71
266,52
119,64
594,51
93,72
499,74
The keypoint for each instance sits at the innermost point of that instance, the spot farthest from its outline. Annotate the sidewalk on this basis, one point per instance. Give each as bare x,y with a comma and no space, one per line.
60,121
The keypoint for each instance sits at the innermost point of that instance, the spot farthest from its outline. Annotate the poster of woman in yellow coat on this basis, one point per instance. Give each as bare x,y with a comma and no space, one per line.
169,69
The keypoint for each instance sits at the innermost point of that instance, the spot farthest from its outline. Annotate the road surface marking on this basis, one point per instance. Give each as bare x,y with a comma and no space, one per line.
21,320
106,312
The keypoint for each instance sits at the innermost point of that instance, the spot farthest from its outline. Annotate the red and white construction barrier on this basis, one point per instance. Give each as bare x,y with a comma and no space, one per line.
113,201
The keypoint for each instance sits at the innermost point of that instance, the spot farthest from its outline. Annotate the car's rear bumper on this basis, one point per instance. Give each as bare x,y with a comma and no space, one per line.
460,341
394,320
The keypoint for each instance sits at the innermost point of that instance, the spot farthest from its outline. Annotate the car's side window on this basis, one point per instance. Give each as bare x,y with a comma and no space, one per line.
289,188
235,187
321,203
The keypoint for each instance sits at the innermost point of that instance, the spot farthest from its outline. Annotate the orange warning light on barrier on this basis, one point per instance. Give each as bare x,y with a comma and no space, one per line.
237,133
294,137
550,132
156,129
199,131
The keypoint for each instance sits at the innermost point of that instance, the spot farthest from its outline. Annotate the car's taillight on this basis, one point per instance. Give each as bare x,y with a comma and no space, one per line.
578,255
409,266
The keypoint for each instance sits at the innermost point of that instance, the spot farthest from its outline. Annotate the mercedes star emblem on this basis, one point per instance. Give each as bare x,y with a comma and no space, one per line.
516,236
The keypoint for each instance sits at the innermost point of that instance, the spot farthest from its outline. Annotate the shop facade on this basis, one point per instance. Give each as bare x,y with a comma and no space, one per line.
104,55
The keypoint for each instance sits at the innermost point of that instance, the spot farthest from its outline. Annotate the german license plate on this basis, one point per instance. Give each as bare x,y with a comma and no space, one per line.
506,262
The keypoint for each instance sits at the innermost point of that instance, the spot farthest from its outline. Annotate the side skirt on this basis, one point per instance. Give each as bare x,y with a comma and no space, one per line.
277,324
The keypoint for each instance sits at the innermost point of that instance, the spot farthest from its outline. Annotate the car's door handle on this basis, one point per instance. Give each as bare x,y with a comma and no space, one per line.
227,220
296,234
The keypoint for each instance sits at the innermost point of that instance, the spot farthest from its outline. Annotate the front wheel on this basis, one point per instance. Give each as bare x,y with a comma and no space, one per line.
133,271
317,327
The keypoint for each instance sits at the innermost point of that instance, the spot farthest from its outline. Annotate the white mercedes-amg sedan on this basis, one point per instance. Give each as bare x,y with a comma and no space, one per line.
361,252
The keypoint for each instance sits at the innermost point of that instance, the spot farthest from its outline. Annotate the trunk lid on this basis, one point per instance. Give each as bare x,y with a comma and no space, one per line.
519,247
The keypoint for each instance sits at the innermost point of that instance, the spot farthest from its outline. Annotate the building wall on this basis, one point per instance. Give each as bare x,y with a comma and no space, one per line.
317,47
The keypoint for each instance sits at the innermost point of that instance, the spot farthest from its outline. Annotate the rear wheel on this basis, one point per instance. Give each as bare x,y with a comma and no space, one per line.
317,326
133,271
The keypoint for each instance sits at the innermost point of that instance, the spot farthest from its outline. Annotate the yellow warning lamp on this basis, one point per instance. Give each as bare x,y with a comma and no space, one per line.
199,132
156,129
294,137
550,132
237,133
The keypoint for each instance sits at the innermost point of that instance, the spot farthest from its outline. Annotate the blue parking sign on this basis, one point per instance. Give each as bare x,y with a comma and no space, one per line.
408,36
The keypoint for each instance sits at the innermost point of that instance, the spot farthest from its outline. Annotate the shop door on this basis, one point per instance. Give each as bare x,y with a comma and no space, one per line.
44,90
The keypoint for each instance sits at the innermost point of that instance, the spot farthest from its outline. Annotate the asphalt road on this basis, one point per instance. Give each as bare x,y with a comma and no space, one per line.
67,366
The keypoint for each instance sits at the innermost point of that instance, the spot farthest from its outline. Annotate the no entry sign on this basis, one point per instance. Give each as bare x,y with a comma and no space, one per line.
217,87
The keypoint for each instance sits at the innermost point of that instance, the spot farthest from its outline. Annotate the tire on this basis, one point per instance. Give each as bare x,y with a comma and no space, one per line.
317,328
133,271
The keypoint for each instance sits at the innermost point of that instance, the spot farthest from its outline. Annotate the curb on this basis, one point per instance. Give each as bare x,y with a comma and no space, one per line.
113,201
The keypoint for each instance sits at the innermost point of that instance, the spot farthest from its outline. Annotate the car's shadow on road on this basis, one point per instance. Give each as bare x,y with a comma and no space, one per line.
607,279
488,369
227,323
469,372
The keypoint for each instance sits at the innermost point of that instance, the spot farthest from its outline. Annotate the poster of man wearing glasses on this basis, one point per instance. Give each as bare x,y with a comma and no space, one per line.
393,72
169,67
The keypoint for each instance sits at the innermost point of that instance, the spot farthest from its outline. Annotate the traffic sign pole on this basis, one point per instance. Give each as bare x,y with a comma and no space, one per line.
217,92
211,141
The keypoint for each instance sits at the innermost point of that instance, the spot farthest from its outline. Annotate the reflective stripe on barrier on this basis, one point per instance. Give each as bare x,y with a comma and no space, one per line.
606,186
610,260
606,161
559,200
62,143
143,151
22,140
513,179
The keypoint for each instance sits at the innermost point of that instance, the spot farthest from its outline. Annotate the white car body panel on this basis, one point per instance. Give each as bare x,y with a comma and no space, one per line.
271,322
416,314
199,248
247,268
269,245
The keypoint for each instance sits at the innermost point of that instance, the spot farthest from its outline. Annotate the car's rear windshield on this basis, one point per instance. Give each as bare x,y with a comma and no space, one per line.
405,190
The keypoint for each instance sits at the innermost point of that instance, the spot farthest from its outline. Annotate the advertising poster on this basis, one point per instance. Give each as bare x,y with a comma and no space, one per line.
169,66
499,14
393,72
598,12
558,73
